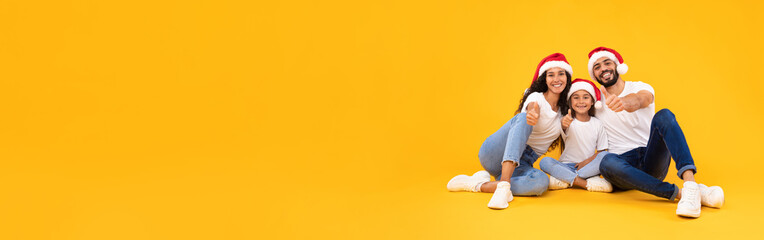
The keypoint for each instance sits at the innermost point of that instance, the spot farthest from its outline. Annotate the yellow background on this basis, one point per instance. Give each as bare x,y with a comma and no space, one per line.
330,119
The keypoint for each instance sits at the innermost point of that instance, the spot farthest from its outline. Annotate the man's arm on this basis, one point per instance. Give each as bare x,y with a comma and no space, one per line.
636,101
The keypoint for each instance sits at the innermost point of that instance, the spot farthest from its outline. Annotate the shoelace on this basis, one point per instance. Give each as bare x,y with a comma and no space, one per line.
691,194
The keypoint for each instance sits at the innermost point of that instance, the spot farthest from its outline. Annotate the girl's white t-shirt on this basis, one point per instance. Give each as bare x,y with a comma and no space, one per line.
583,139
547,128
627,130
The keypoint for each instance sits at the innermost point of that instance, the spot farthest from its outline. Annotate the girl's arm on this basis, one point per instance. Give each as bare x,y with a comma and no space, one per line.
588,160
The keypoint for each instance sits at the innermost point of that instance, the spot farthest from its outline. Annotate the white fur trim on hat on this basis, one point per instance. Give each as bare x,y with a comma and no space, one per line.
553,64
621,68
586,87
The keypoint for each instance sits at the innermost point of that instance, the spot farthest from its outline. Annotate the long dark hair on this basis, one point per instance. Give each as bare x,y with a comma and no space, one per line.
562,103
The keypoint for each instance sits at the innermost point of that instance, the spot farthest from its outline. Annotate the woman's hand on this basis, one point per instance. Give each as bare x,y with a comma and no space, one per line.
532,113
567,120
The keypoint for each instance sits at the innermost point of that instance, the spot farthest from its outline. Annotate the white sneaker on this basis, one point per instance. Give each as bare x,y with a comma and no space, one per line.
482,174
464,183
689,205
598,184
555,184
711,196
501,197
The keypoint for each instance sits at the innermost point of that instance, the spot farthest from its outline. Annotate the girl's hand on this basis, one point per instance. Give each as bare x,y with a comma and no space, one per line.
583,163
532,115
567,120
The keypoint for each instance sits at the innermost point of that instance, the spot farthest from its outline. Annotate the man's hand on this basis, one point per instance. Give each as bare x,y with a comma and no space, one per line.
612,101
567,120
532,115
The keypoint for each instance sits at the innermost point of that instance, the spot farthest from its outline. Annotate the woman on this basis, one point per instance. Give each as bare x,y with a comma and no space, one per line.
509,153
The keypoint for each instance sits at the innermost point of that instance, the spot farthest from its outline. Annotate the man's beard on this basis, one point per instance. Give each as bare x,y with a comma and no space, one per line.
612,81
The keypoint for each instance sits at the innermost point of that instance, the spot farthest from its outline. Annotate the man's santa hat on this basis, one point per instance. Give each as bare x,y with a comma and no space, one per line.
551,61
600,52
587,85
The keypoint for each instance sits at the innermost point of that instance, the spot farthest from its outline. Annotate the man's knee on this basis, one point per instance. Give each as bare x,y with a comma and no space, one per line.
664,116
610,163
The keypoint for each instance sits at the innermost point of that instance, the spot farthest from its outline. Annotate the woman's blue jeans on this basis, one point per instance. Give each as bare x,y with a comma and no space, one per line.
509,143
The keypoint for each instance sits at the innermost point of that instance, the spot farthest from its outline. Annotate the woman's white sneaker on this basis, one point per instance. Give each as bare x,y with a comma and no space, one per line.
689,205
501,197
598,184
555,184
464,183
711,196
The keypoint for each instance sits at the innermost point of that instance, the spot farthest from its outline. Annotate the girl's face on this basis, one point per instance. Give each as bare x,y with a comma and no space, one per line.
581,101
556,80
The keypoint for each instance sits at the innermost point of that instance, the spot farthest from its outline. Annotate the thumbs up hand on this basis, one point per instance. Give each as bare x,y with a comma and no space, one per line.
612,101
567,120
532,115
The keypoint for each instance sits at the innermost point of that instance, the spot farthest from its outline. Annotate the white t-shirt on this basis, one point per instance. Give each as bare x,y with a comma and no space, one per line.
583,139
547,128
628,130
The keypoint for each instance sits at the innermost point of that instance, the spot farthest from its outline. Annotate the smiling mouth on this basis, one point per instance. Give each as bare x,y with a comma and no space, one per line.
557,85
606,75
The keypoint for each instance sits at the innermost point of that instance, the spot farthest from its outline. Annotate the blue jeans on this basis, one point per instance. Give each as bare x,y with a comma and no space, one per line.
644,168
567,171
509,143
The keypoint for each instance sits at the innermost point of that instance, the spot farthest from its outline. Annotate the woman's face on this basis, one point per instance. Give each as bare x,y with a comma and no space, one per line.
556,80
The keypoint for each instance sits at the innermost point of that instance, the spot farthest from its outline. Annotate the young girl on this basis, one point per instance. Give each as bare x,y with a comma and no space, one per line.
585,143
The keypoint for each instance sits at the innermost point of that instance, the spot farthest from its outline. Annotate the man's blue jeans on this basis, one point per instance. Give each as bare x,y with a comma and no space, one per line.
644,168
509,143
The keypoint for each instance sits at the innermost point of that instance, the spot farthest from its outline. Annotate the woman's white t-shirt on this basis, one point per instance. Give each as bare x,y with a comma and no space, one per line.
583,139
628,130
547,128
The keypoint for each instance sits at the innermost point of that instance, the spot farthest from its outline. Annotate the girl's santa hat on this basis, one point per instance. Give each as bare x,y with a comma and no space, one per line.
600,52
554,60
583,84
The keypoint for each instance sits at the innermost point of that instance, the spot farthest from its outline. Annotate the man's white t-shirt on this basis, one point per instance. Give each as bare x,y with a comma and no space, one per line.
547,128
583,139
627,130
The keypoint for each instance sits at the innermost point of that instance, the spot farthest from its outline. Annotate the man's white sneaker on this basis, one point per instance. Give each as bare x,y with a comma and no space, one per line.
689,205
464,183
501,197
555,184
711,196
598,184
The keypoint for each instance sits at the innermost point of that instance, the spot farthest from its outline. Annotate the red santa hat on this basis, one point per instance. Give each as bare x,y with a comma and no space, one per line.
600,52
551,61
587,85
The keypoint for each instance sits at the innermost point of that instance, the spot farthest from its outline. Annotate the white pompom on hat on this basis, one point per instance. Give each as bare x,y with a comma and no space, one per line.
600,52
587,85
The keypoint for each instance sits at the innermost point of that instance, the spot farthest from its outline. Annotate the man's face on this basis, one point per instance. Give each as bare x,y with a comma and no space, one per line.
604,71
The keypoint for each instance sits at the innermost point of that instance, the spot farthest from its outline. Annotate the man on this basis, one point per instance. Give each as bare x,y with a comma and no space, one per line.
642,142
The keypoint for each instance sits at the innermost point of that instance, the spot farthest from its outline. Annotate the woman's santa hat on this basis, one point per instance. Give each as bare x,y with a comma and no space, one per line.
600,52
551,61
583,84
